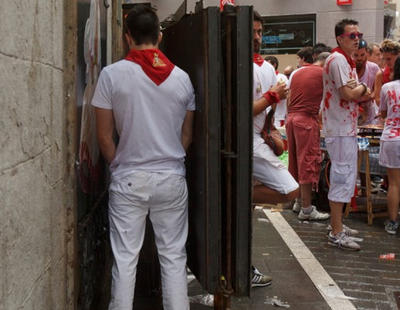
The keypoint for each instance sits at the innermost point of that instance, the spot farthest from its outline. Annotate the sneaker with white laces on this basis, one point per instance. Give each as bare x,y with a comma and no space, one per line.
347,230
343,241
258,279
297,205
314,215
391,227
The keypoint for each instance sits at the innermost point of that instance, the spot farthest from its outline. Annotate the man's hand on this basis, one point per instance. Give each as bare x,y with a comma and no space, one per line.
352,83
105,130
281,89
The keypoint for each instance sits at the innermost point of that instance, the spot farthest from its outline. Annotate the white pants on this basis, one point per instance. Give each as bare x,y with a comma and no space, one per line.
164,197
343,152
270,171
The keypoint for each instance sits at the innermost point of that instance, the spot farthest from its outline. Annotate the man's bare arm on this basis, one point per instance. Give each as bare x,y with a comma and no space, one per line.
187,129
353,94
261,104
104,131
378,87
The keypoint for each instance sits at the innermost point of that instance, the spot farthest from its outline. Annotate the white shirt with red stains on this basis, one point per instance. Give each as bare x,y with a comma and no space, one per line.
390,102
264,78
339,116
371,69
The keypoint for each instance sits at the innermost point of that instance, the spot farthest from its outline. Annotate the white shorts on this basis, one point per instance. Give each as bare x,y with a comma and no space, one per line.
164,197
343,153
270,171
389,154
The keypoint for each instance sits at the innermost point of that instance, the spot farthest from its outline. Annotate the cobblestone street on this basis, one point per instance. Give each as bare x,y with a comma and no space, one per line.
367,281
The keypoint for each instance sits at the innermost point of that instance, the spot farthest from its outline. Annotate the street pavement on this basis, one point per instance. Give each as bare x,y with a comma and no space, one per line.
366,280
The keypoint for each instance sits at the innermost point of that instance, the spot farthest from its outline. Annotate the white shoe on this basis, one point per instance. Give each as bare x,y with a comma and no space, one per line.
314,215
297,205
343,241
347,230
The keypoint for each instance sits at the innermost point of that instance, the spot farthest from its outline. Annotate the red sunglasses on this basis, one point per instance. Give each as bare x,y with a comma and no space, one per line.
353,35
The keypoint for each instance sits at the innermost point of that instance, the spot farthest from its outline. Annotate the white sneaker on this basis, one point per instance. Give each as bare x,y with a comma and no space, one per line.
347,230
297,205
314,215
343,241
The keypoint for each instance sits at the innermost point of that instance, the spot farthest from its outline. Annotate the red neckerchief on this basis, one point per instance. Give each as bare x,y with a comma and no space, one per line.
348,58
258,59
276,72
153,62
386,75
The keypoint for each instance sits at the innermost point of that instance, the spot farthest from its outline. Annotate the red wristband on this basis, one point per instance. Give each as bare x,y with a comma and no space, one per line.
271,96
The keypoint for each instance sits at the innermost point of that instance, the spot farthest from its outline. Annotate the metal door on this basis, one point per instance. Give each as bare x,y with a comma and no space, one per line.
194,44
215,50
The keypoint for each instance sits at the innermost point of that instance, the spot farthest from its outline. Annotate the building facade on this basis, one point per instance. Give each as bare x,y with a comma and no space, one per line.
36,168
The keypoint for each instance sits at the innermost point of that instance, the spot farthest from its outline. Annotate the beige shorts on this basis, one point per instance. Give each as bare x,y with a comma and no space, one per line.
343,152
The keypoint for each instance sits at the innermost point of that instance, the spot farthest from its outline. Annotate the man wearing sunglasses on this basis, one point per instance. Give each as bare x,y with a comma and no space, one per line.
339,118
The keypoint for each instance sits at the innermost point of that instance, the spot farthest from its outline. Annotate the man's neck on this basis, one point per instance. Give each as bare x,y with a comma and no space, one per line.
348,52
143,47
361,71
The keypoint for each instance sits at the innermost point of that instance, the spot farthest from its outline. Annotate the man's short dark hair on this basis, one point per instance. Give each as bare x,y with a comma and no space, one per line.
257,17
339,27
143,25
306,54
396,70
273,61
320,48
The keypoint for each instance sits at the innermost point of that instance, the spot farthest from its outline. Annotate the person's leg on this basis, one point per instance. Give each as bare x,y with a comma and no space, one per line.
336,216
343,154
169,216
308,162
278,185
127,225
393,193
291,138
264,194
306,193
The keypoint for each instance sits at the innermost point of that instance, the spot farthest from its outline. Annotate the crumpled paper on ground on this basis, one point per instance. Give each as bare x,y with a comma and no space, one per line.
276,302
206,300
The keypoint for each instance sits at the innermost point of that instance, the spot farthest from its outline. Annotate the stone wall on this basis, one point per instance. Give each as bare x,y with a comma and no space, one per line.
36,183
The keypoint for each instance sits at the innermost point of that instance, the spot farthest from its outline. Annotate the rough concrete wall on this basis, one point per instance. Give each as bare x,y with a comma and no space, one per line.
34,176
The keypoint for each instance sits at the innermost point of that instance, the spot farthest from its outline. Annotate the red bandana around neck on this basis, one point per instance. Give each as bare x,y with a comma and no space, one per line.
153,62
348,58
386,75
258,59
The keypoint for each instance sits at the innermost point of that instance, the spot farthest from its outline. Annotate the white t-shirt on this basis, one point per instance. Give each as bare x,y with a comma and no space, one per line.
339,117
281,108
390,102
148,118
371,69
264,79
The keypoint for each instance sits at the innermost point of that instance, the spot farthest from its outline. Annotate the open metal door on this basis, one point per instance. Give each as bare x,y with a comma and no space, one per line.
194,45
216,51
237,25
